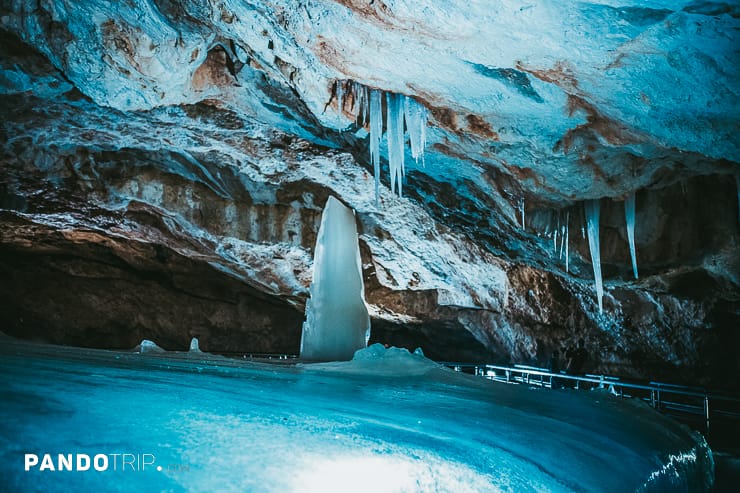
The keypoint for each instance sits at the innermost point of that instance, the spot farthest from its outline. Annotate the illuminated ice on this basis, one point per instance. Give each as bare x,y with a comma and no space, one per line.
385,421
147,346
629,214
593,209
337,320
376,134
394,135
416,117
194,345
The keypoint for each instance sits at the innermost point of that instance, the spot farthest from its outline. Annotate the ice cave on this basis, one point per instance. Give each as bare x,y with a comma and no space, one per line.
369,246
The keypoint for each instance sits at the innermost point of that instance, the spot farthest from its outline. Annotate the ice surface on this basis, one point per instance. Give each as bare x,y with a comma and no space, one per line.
376,134
194,345
402,423
629,215
394,135
337,320
593,210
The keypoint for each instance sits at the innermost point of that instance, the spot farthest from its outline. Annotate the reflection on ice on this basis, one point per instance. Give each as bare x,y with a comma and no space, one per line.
386,421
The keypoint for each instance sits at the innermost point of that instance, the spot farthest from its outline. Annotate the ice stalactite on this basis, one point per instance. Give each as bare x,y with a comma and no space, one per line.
562,240
416,123
394,137
629,215
593,210
567,220
337,321
367,106
339,92
376,134
359,102
521,210
555,234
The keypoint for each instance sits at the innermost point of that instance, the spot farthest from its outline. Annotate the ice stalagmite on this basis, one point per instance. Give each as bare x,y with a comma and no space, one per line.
337,322
629,215
593,209
376,133
194,345
394,135
416,124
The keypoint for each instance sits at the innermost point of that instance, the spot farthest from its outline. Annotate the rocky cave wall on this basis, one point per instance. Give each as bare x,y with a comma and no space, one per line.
163,170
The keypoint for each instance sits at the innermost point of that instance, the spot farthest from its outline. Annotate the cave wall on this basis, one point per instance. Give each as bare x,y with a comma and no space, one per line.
162,174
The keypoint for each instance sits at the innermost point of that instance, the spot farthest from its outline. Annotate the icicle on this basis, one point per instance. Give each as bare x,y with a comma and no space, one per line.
521,210
567,220
562,241
358,102
394,135
340,96
416,123
555,235
365,106
376,133
629,215
593,209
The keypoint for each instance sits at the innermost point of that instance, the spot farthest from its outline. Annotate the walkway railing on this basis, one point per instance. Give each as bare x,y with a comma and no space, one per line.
695,405
678,400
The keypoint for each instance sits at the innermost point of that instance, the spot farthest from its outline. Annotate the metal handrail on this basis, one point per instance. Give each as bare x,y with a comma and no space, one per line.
523,374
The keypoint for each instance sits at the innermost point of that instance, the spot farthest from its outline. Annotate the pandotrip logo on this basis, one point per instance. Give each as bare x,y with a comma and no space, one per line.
119,462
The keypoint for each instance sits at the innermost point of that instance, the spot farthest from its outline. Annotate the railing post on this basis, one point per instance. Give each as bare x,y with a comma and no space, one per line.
706,410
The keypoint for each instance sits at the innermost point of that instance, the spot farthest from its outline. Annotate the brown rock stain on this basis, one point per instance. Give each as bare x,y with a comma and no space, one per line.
445,118
612,131
562,75
478,125
213,71
374,9
118,38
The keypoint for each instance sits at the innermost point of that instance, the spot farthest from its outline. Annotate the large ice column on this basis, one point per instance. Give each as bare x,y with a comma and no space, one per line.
593,209
394,135
337,321
629,215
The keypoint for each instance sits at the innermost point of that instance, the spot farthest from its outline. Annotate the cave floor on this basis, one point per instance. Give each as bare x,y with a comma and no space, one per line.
386,421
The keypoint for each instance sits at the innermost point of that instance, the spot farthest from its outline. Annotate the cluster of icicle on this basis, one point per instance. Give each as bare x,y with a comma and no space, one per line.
560,236
366,105
593,208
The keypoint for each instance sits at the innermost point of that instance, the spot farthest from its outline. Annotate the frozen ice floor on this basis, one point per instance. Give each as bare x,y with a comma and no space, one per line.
387,421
